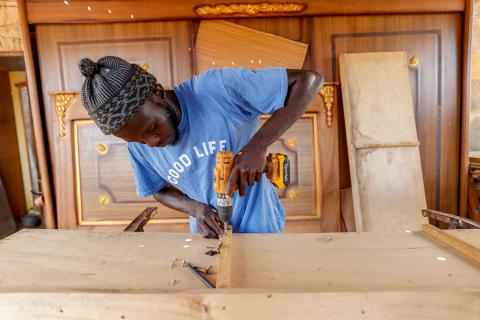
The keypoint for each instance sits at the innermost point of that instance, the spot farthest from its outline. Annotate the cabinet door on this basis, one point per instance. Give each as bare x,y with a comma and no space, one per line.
433,44
94,183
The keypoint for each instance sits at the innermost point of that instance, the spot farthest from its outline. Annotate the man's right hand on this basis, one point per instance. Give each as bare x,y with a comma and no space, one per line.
208,222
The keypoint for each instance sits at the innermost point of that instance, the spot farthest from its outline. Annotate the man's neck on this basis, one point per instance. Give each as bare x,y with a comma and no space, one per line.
174,103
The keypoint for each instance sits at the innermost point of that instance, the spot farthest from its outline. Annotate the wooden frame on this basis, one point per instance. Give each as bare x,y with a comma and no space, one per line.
53,11
466,105
48,209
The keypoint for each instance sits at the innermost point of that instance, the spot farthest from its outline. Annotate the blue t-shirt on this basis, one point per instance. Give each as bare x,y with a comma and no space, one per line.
220,111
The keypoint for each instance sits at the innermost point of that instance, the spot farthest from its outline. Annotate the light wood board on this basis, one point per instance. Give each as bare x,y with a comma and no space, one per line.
224,44
92,261
242,304
385,167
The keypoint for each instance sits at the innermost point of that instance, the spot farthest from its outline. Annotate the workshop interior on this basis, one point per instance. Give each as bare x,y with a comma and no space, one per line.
362,117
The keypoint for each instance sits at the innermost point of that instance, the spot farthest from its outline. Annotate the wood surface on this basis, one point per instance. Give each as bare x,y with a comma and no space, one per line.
225,44
387,182
348,215
49,219
50,11
166,47
114,262
242,304
466,106
224,270
461,246
7,225
436,39
10,169
10,36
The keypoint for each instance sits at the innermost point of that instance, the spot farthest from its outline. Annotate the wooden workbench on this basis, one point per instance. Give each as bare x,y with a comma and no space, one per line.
89,275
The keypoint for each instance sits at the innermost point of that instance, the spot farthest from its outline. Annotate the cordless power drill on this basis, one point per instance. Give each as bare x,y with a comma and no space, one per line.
277,170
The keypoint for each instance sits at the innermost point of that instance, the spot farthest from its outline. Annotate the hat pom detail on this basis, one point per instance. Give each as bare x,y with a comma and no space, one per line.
87,67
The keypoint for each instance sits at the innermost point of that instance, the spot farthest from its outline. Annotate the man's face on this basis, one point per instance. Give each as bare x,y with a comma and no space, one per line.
152,125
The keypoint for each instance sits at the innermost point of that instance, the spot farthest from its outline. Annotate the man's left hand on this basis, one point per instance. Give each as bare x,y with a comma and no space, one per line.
247,168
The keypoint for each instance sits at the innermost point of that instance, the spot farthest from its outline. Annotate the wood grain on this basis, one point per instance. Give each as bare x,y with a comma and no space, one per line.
387,182
461,246
436,85
242,304
50,11
224,271
106,262
40,145
224,44
165,47
466,106
10,170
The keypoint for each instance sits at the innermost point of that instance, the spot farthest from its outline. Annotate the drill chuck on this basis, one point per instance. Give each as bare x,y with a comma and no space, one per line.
224,207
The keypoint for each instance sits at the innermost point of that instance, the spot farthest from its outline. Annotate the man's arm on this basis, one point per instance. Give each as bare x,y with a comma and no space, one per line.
250,161
208,223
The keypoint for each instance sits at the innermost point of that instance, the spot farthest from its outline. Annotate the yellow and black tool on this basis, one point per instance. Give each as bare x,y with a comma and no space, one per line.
277,170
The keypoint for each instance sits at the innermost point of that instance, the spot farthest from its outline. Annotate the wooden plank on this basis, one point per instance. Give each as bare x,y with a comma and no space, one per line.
48,211
7,225
243,304
224,272
52,11
246,47
466,105
107,262
461,246
387,182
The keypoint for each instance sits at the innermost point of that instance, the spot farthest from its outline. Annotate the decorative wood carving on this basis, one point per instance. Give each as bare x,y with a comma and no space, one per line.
61,103
327,92
249,9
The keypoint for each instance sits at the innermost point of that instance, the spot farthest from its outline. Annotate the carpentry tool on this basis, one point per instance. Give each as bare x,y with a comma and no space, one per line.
277,170
198,274
141,220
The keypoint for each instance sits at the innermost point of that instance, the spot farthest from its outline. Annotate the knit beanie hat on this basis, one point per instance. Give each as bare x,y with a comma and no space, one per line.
113,90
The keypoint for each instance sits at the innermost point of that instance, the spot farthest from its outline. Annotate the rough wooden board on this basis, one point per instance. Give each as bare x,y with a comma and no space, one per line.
242,304
108,262
387,182
36,260
224,273
390,189
350,262
450,240
467,235
219,41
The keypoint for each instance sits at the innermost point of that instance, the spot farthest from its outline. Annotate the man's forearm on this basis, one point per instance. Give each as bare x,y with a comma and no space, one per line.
303,86
175,199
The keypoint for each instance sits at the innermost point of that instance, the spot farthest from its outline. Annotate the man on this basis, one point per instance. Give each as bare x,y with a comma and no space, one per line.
173,135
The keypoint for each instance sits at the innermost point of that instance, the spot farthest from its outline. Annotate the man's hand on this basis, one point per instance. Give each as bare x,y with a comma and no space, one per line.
208,222
247,168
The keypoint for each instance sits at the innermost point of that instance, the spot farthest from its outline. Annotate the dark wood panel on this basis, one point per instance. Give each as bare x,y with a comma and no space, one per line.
10,170
52,11
165,49
435,40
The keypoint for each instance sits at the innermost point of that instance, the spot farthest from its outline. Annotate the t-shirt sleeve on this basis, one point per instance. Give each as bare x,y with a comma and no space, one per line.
256,92
147,180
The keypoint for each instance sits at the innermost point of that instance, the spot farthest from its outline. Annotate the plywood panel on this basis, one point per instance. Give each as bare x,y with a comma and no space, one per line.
242,304
220,44
387,182
73,260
